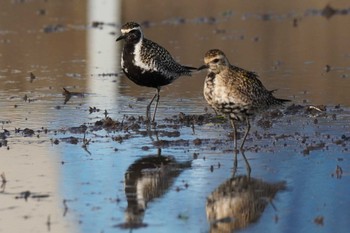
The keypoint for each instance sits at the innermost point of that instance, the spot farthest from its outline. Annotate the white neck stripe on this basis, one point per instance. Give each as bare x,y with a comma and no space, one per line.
124,31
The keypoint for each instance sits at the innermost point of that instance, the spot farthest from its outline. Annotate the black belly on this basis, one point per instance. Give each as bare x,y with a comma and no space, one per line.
147,78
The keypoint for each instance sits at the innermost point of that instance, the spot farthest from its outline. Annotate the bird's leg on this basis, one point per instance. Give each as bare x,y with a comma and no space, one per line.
246,133
149,106
234,135
157,101
247,166
235,163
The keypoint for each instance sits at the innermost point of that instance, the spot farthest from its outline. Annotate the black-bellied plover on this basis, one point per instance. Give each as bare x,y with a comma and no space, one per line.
148,64
235,92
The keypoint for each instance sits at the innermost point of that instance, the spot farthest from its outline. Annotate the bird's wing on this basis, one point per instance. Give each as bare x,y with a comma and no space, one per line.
165,63
248,85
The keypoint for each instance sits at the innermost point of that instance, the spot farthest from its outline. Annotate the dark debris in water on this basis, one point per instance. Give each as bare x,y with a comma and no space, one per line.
328,11
70,140
31,77
28,194
169,130
3,137
100,24
78,130
169,143
317,146
338,172
108,124
54,28
308,110
68,95
319,220
133,225
25,132
108,75
3,182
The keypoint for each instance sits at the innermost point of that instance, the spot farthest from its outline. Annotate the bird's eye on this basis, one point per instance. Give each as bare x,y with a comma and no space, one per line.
216,60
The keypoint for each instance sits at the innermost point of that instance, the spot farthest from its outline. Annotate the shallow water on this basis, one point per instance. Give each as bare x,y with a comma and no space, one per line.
99,188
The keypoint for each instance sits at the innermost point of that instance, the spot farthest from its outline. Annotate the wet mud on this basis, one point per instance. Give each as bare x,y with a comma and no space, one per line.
129,127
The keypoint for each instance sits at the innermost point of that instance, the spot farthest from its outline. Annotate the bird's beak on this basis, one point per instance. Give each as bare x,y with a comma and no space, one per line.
120,38
202,67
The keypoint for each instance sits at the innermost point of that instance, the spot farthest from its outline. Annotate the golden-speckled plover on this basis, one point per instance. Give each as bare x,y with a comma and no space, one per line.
235,92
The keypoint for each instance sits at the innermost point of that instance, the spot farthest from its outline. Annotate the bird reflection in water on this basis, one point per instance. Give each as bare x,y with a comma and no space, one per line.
146,179
239,201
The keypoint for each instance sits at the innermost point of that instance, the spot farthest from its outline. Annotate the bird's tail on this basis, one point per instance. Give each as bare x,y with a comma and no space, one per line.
189,68
281,101
277,100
